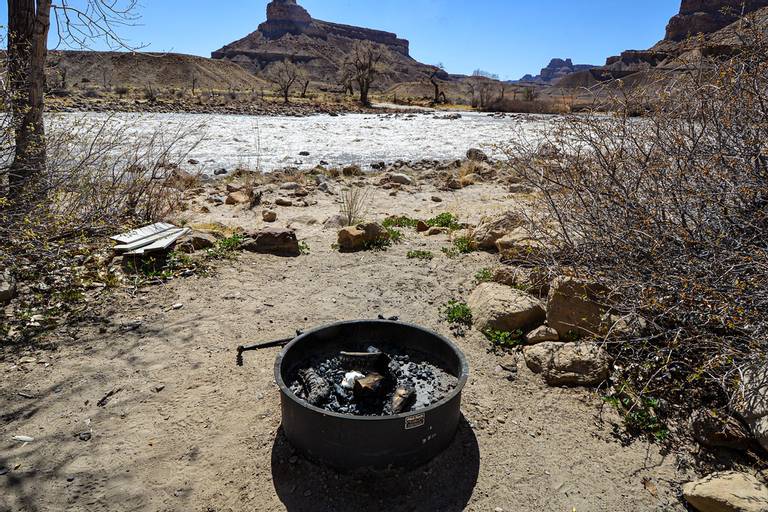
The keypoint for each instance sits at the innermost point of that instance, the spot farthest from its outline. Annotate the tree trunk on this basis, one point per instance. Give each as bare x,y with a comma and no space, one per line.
364,88
28,26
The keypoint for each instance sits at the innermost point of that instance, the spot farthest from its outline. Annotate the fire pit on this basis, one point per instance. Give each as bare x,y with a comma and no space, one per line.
371,393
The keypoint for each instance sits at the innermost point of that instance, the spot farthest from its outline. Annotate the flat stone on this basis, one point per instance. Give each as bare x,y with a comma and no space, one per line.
282,201
502,308
727,492
402,179
437,199
541,334
568,364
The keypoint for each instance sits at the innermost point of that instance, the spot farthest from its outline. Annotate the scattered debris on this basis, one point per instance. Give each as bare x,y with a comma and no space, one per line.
152,238
105,399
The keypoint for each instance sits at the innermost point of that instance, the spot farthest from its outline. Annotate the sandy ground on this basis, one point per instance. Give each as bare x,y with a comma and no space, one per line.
188,430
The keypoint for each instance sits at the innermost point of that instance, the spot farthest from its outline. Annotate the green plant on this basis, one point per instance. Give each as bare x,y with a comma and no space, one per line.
420,255
304,248
225,248
461,245
455,312
484,275
444,220
395,235
402,221
505,339
641,414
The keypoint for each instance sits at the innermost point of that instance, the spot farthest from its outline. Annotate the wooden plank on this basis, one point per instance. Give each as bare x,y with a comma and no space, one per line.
160,244
144,232
146,241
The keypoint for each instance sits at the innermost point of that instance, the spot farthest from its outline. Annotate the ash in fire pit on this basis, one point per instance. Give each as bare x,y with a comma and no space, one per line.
371,381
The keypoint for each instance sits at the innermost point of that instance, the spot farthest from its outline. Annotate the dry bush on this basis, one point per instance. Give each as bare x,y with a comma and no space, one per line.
525,107
102,176
670,210
354,204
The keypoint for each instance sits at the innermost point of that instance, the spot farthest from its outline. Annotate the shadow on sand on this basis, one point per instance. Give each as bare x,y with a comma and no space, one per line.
445,484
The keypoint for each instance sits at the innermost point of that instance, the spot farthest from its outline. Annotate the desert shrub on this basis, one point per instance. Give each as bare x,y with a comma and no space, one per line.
402,221
484,275
121,90
455,312
505,339
97,183
354,203
444,220
420,255
525,107
671,212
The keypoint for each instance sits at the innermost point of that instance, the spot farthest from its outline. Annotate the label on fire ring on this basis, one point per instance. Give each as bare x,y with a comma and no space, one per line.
415,421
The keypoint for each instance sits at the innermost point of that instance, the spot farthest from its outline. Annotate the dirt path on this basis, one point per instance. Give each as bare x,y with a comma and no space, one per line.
187,430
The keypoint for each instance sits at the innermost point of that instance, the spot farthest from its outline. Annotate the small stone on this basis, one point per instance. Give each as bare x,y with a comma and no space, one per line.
220,172
84,436
282,201
568,364
436,231
236,198
269,216
158,388
402,179
176,307
476,155
293,460
437,199
276,241
422,226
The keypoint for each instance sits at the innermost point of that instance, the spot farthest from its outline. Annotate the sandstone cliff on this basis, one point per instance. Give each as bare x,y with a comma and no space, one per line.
319,46
708,16
555,70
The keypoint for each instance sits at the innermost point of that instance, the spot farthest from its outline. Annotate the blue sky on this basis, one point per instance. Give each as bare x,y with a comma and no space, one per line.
506,37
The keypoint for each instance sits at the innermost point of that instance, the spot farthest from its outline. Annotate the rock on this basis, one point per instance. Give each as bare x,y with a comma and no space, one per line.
220,172
435,230
199,240
276,241
453,184
492,229
422,226
715,430
437,199
499,307
300,192
477,155
237,198
290,185
335,221
7,287
192,161
235,187
282,201
727,492
532,280
402,179
269,216
541,335
572,306
519,244
326,187
752,402
356,238
303,153
568,364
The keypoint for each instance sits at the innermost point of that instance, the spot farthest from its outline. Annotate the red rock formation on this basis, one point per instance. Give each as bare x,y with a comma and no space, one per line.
707,16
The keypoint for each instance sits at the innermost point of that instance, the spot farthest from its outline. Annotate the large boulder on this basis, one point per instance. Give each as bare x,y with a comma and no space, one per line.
7,287
502,308
485,235
573,306
277,241
360,237
568,364
752,402
727,492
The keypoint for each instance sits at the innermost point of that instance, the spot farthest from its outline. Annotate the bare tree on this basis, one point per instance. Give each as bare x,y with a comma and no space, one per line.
363,66
439,95
29,24
284,75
